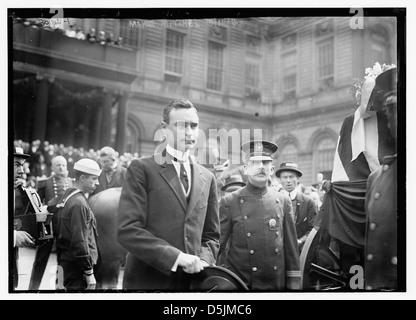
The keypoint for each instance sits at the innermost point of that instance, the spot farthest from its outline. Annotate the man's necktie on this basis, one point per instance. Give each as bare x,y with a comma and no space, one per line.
184,177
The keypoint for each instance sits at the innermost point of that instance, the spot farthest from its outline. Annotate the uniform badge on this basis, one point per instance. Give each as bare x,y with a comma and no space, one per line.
258,147
272,224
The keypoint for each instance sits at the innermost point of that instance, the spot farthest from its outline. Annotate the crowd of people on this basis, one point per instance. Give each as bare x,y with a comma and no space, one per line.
74,31
39,165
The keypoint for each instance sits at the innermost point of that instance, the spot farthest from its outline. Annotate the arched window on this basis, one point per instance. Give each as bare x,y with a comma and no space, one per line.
324,156
289,153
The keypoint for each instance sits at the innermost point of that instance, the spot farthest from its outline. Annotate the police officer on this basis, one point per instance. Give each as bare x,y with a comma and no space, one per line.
21,206
258,220
76,229
381,197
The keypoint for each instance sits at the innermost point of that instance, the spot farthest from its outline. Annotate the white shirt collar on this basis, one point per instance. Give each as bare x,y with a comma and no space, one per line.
180,155
292,195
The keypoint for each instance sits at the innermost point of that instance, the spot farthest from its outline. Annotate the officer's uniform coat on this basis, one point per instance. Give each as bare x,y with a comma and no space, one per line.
53,186
264,256
381,229
156,222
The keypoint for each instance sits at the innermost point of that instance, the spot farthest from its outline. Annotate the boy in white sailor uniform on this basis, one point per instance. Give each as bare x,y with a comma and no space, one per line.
258,220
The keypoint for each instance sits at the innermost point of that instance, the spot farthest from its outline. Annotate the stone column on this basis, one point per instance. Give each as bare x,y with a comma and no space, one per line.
106,119
41,109
122,123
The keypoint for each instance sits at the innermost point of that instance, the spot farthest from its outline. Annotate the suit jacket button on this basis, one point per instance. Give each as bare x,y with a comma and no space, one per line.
254,269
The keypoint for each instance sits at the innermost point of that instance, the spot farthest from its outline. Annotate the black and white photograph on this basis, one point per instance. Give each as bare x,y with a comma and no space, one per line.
233,152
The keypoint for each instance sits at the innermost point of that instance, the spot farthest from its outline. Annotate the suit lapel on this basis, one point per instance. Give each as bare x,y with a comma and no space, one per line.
169,174
198,184
299,207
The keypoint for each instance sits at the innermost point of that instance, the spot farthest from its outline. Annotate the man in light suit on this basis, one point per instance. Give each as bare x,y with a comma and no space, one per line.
168,213
303,207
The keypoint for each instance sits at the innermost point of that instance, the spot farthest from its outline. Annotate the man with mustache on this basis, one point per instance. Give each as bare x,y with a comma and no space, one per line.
303,207
258,221
168,212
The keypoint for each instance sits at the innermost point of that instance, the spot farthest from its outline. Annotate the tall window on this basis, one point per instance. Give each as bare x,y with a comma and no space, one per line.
324,155
289,153
252,79
289,75
129,33
174,56
215,66
325,52
380,46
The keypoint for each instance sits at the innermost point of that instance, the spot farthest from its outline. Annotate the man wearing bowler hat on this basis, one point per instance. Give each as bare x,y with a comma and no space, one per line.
380,267
258,220
76,242
303,207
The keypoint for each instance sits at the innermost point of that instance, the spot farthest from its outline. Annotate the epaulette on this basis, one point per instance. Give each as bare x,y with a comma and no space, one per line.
64,200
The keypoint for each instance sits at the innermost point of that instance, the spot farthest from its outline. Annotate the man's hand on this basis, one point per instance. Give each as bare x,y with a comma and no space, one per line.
191,263
91,282
24,239
20,182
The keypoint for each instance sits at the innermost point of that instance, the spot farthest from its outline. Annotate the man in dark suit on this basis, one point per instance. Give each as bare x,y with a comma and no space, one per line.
303,207
168,212
113,172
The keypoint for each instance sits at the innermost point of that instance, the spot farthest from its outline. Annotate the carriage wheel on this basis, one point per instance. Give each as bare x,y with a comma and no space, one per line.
319,266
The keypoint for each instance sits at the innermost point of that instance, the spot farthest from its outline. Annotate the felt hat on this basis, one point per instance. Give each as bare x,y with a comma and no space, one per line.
216,278
288,166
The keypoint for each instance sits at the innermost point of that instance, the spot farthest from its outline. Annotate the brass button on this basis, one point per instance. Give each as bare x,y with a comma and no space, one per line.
369,257
373,226
248,234
275,268
245,217
241,200
251,251
394,261
277,233
385,167
254,269
376,195
276,250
